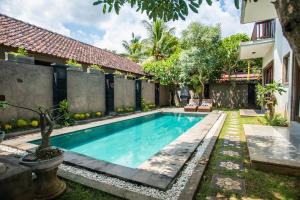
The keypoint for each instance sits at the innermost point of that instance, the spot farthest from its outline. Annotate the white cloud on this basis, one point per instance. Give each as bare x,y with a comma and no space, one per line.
109,30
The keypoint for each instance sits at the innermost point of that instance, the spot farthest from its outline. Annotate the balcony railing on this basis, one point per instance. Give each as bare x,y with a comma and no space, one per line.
263,30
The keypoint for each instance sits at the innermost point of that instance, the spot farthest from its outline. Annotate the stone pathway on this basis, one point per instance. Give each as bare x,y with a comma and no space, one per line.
227,179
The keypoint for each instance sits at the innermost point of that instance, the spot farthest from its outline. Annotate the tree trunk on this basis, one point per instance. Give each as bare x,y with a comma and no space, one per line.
288,12
45,120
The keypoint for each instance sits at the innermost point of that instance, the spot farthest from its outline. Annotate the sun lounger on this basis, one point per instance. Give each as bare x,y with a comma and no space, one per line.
206,106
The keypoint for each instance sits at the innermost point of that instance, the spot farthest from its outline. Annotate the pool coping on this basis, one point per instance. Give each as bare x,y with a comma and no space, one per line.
158,172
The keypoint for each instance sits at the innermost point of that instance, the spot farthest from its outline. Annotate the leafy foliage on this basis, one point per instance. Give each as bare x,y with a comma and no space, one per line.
97,67
266,96
161,42
21,52
160,9
199,60
166,71
133,48
74,63
65,116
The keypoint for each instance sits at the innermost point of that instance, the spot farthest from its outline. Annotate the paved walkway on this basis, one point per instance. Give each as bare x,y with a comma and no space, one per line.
228,179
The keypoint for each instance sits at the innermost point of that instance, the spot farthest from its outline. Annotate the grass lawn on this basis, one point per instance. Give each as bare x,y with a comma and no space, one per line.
76,191
258,184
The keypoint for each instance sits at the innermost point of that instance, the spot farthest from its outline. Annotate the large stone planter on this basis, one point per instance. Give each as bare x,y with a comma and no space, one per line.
18,58
47,185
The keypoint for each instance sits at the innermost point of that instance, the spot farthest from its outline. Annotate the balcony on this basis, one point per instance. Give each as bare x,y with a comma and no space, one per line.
262,41
263,30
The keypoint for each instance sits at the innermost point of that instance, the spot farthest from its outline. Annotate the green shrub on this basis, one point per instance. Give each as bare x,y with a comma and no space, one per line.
7,127
118,73
129,76
278,120
22,123
145,106
151,105
129,109
21,52
120,110
96,67
65,116
87,115
74,63
98,114
34,123
144,78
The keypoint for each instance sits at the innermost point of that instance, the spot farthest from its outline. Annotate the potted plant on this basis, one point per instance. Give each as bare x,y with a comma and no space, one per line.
45,160
21,56
74,64
95,69
118,74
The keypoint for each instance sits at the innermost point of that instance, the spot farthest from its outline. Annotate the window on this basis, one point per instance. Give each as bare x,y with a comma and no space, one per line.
285,69
268,74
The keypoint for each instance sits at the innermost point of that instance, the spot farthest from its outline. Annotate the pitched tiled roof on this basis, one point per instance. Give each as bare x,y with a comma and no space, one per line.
16,33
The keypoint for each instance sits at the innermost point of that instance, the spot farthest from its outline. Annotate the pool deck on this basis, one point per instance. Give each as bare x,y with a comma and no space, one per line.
158,172
274,148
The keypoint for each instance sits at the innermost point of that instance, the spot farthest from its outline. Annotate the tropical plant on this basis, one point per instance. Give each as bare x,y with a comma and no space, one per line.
22,123
266,96
129,76
166,71
20,52
199,59
65,116
161,42
229,55
118,73
288,13
133,48
74,63
96,67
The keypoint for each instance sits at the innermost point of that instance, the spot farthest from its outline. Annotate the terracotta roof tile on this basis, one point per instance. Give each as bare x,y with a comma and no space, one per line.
15,33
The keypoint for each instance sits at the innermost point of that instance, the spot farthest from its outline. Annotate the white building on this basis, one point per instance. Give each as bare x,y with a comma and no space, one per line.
268,43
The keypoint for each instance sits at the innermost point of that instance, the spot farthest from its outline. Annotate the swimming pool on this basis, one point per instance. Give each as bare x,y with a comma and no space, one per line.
129,142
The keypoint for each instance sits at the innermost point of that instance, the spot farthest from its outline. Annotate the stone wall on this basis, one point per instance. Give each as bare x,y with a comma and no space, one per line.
85,91
124,92
148,92
32,86
229,95
25,85
164,96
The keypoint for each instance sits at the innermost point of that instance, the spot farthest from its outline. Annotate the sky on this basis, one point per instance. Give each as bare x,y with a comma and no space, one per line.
80,20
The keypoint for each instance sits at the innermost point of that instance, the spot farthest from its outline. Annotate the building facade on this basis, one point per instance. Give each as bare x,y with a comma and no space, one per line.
268,42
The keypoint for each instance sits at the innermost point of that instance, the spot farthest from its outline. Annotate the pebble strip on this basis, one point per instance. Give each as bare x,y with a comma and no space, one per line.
173,193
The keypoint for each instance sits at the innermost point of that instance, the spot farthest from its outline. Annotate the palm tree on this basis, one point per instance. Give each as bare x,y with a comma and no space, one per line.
133,48
161,42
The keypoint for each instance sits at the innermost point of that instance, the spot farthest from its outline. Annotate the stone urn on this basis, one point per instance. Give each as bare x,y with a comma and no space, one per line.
47,185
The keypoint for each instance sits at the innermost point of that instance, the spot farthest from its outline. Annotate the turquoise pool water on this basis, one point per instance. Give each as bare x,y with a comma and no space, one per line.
130,142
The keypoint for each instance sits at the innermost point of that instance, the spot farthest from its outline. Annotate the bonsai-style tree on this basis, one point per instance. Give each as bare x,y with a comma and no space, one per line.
288,12
266,96
44,150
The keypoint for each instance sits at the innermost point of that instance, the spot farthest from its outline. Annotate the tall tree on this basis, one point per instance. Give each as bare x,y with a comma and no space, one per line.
161,42
199,60
288,12
229,55
166,71
133,48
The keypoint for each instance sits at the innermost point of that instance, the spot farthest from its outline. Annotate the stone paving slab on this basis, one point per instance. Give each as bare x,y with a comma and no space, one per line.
274,146
230,165
231,153
251,113
228,184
